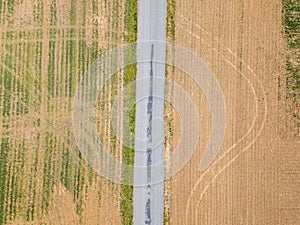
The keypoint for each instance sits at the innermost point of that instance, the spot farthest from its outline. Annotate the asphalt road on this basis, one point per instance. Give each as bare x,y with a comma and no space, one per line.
149,130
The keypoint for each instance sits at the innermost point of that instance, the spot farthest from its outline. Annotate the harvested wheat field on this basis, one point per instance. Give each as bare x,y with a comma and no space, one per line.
252,47
255,176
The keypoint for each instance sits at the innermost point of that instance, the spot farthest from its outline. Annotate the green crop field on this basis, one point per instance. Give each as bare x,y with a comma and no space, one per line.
45,48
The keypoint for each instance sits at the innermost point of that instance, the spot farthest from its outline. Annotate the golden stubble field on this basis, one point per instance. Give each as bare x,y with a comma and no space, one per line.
255,177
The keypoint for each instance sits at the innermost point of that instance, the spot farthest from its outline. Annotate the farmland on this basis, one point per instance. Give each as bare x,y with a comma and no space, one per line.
46,46
252,47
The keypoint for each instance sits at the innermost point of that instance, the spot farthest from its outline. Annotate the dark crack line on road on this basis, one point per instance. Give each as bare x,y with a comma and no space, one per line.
149,141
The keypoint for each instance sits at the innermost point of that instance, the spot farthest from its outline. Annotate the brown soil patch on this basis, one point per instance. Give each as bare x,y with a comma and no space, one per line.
99,21
108,210
62,209
63,12
24,14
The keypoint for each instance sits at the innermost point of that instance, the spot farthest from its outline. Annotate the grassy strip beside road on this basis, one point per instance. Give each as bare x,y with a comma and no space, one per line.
169,122
131,10
291,24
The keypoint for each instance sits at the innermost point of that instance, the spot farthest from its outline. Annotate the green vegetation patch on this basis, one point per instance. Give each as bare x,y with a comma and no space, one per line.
3,176
291,24
131,10
171,10
170,70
